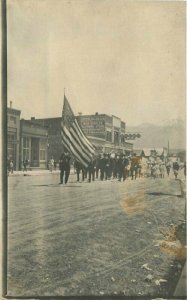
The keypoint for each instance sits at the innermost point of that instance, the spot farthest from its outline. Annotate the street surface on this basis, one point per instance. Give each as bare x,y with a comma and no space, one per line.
92,238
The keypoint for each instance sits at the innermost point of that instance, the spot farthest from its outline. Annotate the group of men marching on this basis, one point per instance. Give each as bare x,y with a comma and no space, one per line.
114,166
103,167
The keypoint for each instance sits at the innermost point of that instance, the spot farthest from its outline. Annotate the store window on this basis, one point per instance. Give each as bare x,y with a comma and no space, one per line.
108,136
43,145
11,151
26,148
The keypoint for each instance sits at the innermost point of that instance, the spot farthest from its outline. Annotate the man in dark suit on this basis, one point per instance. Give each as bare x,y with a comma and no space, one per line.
102,164
91,169
79,168
125,166
176,169
64,166
120,167
134,166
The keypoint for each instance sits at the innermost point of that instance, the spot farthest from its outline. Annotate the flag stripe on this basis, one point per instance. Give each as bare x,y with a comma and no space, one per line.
70,146
87,149
73,138
75,146
71,149
79,142
86,142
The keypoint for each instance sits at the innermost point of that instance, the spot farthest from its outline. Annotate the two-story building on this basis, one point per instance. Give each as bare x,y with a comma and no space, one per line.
106,133
33,144
25,140
13,135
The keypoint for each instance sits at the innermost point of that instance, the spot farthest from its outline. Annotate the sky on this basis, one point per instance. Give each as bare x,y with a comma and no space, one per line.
122,58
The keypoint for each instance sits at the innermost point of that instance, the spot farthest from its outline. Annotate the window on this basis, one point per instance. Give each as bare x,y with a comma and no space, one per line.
108,136
116,137
122,139
43,146
11,137
11,151
26,148
26,142
12,120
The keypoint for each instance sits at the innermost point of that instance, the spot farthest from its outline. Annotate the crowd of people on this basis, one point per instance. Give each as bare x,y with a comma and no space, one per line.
120,167
109,166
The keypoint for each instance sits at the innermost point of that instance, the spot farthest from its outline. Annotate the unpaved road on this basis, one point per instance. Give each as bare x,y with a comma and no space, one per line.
91,238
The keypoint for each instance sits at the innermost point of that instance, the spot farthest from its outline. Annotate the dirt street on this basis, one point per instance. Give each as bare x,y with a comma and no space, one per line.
94,238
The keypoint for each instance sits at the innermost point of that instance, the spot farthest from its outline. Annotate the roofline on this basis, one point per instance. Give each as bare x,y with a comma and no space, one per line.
9,108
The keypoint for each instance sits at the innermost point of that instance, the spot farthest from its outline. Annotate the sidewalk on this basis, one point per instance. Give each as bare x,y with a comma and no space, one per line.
33,172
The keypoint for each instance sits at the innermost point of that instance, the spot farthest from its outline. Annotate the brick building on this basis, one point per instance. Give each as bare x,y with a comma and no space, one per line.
53,126
106,132
13,135
25,140
33,144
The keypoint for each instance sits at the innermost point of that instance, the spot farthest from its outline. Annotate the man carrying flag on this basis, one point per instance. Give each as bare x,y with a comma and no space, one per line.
73,138
64,166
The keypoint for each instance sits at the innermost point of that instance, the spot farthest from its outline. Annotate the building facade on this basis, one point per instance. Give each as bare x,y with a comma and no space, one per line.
33,144
106,133
25,140
13,135
53,126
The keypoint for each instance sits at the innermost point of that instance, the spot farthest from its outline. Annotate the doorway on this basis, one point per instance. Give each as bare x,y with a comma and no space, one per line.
35,152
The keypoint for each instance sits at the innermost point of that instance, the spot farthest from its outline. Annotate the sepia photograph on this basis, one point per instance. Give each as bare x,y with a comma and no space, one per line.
94,110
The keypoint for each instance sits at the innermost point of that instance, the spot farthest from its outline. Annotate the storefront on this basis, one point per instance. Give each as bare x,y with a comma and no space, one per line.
13,135
33,145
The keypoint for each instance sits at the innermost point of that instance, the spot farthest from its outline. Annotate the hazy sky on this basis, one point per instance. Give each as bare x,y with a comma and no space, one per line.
123,58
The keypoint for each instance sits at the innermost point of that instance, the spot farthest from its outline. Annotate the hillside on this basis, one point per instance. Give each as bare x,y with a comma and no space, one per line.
159,135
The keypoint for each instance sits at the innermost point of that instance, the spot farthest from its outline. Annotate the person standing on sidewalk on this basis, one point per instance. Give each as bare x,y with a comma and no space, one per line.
25,165
11,166
55,165
64,166
51,164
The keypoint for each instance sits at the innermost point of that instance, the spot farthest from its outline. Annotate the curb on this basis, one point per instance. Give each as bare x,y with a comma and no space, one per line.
36,173
32,173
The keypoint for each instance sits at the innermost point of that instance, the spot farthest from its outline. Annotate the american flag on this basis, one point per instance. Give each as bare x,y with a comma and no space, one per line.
73,138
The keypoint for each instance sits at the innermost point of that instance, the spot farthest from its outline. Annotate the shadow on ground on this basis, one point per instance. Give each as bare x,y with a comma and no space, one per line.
163,194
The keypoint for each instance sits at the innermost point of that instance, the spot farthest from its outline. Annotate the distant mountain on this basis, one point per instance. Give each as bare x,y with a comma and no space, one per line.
158,135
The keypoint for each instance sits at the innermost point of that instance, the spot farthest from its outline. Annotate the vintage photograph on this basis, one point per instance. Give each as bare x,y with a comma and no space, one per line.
96,149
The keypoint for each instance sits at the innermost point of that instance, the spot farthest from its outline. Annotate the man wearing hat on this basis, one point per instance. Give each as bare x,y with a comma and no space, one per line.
64,166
